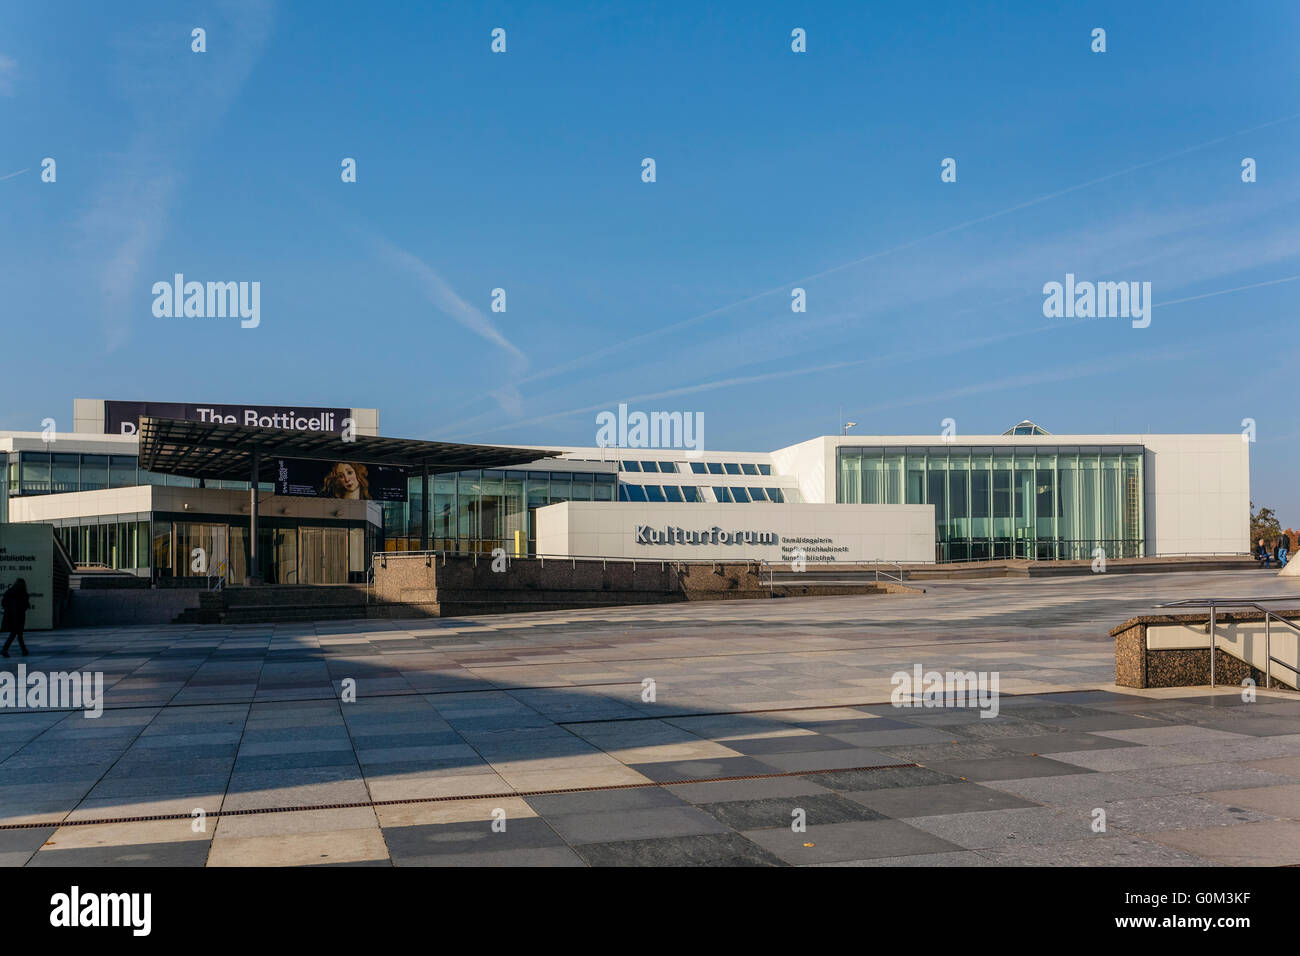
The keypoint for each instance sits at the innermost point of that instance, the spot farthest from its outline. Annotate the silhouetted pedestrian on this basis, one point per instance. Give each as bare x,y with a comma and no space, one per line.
16,603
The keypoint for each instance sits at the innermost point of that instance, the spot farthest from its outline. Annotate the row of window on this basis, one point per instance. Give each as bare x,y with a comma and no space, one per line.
729,468
698,467
667,467
688,493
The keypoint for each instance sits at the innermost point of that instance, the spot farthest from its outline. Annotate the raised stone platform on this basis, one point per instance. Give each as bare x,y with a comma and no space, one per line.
1173,650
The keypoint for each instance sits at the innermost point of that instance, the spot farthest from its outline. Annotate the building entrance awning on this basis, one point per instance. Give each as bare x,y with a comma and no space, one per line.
228,451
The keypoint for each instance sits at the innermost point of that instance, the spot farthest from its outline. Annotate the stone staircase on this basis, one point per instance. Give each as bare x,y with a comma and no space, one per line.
277,603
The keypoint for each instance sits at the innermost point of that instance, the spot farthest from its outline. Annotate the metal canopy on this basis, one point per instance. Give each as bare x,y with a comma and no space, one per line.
220,451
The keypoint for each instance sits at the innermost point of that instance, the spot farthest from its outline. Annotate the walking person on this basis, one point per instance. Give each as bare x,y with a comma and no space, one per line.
15,603
1283,549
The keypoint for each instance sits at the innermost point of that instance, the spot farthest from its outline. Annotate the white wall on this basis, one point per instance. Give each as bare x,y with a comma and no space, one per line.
1197,487
1198,493
210,501
867,532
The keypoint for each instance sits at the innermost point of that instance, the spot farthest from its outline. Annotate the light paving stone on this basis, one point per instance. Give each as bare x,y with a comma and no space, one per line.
1274,843
126,834
1204,777
1115,850
303,821
999,828
1175,812
1277,801
300,849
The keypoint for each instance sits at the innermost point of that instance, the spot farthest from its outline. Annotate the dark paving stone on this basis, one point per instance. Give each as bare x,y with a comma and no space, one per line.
1105,722
541,856
936,800
1000,730
957,750
315,758
1255,726
364,741
880,779
701,769
731,790
853,726
604,801
850,758
624,825
180,853
430,841
804,743
1064,743
1007,768
779,811
24,841
839,842
715,849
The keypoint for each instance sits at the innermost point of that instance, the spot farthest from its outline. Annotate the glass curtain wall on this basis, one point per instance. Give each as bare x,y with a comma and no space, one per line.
1039,503
477,511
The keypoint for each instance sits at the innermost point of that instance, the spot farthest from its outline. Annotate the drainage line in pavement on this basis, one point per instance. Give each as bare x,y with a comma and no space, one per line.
450,799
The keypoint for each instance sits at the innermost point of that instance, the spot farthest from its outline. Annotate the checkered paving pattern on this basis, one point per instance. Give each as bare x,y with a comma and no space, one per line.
465,735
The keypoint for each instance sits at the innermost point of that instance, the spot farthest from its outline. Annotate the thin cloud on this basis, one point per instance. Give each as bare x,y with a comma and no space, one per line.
591,357
1077,371
8,73
444,298
127,216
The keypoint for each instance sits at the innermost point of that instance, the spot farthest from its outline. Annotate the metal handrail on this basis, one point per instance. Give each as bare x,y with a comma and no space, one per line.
1215,603
771,566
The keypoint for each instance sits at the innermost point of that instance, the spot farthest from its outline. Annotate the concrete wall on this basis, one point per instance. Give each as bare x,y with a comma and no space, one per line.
865,532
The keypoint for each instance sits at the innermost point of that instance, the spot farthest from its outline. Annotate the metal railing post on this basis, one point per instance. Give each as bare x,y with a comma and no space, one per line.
1268,650
1213,615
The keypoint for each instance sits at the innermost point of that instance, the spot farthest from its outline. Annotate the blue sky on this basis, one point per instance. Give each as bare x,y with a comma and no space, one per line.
522,171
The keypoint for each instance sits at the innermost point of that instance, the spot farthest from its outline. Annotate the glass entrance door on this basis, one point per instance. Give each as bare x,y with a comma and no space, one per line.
323,555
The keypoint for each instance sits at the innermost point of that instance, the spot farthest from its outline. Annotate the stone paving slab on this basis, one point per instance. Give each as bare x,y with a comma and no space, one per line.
457,719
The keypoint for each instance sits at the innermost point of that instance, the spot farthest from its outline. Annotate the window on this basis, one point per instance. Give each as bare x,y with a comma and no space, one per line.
630,465
715,468
64,473
673,493
36,473
121,471
749,469
94,472
654,493
777,495
732,468
699,468
649,466
635,493
721,494
757,494
740,495
669,467
765,469
690,493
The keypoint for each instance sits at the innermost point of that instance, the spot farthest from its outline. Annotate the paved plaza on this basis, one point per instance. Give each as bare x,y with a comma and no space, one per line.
527,739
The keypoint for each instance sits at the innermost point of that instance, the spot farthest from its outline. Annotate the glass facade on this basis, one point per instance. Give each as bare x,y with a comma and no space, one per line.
47,473
483,510
1036,502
